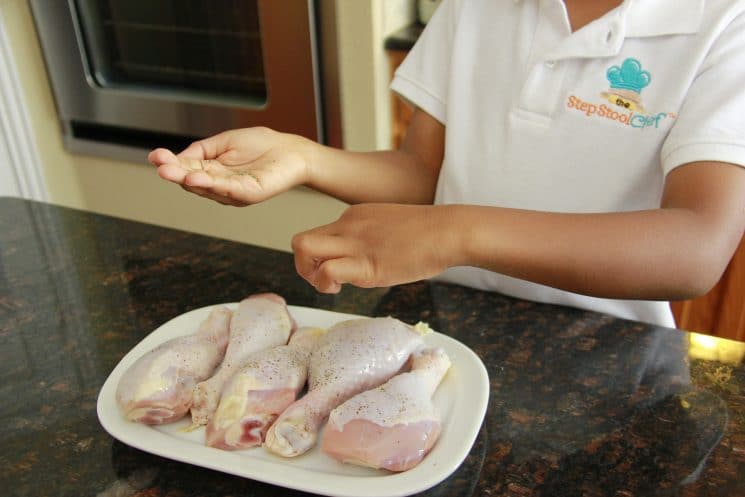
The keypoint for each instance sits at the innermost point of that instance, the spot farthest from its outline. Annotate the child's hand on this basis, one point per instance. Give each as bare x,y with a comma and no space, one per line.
238,167
374,245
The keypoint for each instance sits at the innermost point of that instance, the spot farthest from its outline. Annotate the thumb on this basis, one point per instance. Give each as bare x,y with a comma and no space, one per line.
332,273
161,156
208,148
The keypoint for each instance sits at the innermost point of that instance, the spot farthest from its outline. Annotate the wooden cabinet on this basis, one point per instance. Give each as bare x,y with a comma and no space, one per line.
721,312
400,111
397,46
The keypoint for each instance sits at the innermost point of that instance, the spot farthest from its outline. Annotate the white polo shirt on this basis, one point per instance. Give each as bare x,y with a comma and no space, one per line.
540,118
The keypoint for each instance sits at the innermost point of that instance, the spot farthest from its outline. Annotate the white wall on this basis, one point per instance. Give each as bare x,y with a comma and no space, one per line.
20,173
8,184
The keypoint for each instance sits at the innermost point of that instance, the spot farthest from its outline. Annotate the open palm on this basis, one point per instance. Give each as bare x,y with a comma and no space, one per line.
237,167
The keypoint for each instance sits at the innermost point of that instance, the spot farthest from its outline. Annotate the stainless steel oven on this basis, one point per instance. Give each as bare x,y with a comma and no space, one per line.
130,75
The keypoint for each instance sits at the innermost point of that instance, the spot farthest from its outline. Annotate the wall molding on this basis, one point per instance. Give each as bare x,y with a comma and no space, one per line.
16,134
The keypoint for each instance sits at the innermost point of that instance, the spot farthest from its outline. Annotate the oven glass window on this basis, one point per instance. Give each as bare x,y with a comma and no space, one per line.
207,48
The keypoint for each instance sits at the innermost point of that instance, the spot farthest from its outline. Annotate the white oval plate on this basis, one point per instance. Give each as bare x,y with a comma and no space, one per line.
461,398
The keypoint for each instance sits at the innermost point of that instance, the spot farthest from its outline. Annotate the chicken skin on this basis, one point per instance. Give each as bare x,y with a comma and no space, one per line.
252,399
352,357
158,387
393,426
260,322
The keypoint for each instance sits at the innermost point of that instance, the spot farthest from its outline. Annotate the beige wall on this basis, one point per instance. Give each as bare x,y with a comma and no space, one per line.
133,191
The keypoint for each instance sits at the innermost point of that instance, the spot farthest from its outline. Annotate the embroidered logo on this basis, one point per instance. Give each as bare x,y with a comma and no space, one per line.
626,83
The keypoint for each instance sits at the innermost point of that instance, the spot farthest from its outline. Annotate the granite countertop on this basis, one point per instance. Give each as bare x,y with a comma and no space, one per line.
581,403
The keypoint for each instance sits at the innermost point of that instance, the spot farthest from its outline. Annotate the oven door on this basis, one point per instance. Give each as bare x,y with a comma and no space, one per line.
132,74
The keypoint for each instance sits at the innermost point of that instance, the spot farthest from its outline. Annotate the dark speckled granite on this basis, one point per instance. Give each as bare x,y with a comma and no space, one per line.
581,403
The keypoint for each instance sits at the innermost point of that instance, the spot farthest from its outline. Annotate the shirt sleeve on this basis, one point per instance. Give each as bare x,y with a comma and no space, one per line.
423,77
711,123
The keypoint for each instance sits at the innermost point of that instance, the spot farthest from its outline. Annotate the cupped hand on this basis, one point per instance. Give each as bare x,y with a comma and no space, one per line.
238,167
376,245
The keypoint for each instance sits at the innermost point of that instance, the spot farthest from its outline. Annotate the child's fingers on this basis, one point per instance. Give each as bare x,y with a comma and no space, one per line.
327,260
211,179
313,247
161,156
172,172
173,168
223,189
206,193
199,179
333,273
208,148
325,285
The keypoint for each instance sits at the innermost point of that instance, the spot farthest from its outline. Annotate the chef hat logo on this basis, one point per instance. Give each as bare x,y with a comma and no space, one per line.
629,76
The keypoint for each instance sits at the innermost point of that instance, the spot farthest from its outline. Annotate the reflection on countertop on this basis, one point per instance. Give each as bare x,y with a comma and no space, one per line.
581,403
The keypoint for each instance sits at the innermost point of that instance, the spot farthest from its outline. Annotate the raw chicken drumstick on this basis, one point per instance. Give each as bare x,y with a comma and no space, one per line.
261,321
353,356
393,426
158,387
252,399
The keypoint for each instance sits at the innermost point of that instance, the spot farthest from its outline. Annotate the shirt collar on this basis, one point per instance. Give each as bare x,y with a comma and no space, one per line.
634,18
663,17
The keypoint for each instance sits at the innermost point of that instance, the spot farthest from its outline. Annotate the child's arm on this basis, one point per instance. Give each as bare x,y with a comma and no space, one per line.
245,166
677,251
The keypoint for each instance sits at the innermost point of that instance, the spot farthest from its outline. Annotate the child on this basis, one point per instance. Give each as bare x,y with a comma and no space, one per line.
586,153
